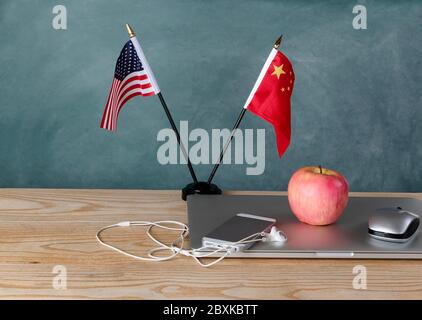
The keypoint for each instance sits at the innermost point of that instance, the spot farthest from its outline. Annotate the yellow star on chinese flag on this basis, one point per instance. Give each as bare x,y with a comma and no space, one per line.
278,71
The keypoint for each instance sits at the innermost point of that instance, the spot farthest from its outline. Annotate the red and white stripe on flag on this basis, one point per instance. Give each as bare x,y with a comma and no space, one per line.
135,84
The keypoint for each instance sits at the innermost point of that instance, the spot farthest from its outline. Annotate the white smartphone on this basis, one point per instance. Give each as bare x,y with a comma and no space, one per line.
239,227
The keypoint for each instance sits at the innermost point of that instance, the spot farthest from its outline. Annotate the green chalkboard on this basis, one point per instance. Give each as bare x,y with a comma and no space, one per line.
357,104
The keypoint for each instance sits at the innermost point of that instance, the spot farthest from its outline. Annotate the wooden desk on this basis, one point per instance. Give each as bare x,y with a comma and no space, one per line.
43,228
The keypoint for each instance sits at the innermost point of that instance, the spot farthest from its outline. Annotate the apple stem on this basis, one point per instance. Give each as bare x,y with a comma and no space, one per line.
320,169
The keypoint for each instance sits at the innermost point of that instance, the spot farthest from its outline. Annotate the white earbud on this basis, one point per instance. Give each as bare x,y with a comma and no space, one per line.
275,235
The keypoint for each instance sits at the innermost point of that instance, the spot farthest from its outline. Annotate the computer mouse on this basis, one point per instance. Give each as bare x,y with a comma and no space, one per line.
396,225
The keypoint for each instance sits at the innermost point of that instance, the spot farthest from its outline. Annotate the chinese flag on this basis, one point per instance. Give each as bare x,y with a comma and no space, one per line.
270,96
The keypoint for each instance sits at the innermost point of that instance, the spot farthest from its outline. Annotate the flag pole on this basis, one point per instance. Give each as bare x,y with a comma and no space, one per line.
235,127
132,34
179,141
223,151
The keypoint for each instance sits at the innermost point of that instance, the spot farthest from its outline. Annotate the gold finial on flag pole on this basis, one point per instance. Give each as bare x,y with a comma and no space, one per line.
278,42
130,31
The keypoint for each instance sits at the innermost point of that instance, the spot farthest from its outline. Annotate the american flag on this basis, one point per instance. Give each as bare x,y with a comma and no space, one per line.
132,77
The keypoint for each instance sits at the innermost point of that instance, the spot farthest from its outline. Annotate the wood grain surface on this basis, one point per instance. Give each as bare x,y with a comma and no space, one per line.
43,228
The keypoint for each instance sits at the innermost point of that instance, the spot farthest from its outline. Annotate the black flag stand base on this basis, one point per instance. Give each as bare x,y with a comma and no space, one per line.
200,187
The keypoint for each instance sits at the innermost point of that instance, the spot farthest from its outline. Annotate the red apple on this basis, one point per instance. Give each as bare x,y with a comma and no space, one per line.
318,196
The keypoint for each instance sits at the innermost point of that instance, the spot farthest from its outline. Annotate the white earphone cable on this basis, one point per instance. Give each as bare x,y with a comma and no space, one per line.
173,248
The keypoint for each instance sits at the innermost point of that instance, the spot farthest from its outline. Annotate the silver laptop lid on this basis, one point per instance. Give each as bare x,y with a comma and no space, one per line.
347,238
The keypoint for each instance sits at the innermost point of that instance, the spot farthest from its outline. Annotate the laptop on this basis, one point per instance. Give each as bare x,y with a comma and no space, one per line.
348,238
